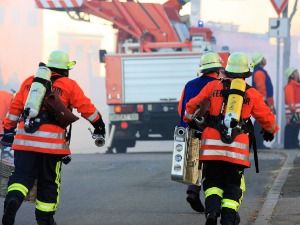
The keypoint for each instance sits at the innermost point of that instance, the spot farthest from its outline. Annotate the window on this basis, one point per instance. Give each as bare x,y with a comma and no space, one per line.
2,15
79,52
16,19
32,17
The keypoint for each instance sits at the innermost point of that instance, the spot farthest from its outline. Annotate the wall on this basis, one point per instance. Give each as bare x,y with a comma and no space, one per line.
21,41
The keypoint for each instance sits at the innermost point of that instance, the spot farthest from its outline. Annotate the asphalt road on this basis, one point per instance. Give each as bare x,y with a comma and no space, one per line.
136,189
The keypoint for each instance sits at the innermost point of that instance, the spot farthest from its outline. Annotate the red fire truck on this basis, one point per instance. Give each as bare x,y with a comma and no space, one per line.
156,54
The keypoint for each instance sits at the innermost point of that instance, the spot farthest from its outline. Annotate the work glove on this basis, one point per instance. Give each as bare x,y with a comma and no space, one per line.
192,124
273,110
295,117
267,136
8,137
99,127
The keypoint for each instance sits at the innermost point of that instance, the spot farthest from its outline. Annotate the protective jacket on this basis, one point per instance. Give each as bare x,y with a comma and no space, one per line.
191,89
261,81
6,98
49,138
238,151
292,99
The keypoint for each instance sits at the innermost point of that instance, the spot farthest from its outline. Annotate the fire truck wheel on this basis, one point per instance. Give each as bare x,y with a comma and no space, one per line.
121,149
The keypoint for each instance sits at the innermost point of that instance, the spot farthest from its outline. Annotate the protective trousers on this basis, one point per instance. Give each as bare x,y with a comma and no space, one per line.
291,132
224,186
46,168
258,136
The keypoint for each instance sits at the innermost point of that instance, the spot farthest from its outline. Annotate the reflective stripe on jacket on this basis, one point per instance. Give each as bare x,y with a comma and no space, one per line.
49,138
292,99
237,152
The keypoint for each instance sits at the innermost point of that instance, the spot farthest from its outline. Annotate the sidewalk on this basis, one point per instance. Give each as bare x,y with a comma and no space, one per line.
282,205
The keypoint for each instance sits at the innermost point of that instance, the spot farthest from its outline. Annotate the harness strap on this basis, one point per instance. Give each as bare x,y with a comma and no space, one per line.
42,118
44,82
237,92
252,141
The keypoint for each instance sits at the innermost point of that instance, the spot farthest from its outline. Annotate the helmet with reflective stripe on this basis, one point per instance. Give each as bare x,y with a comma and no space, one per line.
237,66
289,72
60,59
210,61
257,57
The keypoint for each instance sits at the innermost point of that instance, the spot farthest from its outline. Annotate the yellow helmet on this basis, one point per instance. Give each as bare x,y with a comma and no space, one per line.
289,72
60,59
210,61
237,66
257,57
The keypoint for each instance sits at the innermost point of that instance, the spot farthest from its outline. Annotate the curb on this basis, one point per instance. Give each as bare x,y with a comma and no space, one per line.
265,213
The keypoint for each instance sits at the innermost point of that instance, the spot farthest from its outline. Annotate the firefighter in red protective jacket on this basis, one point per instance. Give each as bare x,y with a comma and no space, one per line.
5,100
225,146
210,66
40,147
263,84
292,109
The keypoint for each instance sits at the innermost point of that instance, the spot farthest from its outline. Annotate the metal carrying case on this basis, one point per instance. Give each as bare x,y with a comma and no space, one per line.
6,168
5,171
185,160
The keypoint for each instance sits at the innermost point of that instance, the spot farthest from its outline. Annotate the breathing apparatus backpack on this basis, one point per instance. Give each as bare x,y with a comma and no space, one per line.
231,124
40,85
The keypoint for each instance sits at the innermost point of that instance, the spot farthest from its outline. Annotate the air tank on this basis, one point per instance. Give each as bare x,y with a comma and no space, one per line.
234,103
37,92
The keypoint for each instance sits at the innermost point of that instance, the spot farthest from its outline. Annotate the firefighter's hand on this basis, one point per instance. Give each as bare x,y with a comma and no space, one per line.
273,110
99,127
99,131
8,137
192,124
295,117
268,136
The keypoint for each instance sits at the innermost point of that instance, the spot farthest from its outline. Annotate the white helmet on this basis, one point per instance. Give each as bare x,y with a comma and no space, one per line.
289,72
237,66
210,61
257,57
60,59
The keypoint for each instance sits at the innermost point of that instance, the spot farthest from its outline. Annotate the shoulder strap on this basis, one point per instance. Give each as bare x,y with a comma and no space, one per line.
248,86
54,78
226,88
68,132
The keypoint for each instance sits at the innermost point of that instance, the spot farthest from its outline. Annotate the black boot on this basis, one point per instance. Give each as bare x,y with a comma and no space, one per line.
211,218
194,200
44,218
237,219
230,217
11,206
51,221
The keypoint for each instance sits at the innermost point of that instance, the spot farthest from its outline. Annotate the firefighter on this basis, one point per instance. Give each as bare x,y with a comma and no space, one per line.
292,109
40,149
210,67
225,150
262,82
5,100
